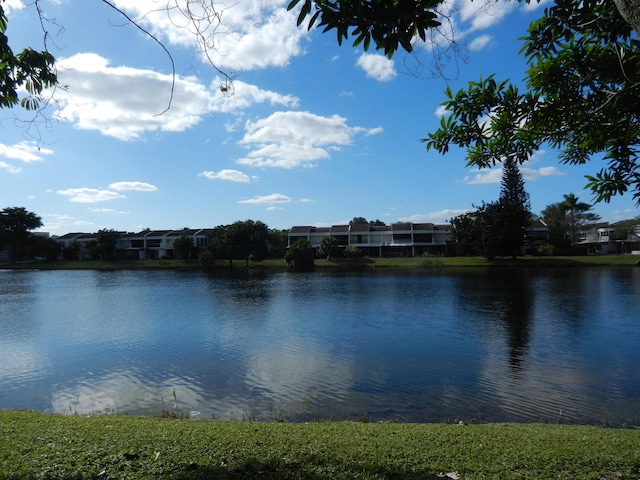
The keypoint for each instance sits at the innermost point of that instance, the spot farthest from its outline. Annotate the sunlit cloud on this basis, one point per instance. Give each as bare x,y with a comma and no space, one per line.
89,195
229,175
9,168
133,186
274,198
24,151
377,66
293,139
479,43
243,36
124,102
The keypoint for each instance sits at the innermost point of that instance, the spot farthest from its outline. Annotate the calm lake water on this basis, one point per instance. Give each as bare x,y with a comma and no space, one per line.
555,345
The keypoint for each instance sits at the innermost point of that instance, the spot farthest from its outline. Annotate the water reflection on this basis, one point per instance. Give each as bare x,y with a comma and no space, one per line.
496,345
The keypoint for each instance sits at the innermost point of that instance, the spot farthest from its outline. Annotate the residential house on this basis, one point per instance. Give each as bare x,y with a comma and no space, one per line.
398,239
607,238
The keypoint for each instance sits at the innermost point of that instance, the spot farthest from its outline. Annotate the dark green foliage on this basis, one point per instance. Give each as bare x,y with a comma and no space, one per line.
328,247
16,224
516,209
498,228
30,69
566,219
183,246
580,97
106,242
352,251
246,240
300,256
43,248
390,24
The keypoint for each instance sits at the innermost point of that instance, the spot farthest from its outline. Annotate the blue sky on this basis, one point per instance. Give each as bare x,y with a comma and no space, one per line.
310,133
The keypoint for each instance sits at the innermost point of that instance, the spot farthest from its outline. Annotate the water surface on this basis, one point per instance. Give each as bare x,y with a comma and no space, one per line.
556,345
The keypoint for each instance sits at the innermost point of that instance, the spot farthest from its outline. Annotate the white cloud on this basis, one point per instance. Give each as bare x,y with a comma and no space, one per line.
494,175
134,186
89,195
109,211
124,102
24,151
479,43
441,111
10,5
9,168
274,198
484,14
292,139
377,66
535,174
230,175
244,36
439,217
483,176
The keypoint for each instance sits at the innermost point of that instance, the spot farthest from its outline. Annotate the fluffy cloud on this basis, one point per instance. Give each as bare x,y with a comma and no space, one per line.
9,168
134,186
377,66
230,175
291,139
272,199
124,102
89,195
242,36
494,175
24,151
479,43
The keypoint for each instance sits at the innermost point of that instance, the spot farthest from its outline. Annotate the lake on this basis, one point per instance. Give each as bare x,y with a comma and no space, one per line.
477,345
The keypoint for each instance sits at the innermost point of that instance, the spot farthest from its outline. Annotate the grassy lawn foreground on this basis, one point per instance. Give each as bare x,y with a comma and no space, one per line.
43,446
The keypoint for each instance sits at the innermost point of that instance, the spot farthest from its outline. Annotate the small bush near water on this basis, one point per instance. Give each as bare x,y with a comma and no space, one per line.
47,446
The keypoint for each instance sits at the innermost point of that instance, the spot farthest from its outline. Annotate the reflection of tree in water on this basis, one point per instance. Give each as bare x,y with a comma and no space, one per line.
518,301
500,302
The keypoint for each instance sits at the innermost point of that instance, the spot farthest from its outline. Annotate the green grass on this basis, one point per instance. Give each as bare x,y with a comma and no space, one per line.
47,446
415,263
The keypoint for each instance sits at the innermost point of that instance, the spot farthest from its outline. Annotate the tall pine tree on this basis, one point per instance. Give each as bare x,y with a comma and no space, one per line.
515,208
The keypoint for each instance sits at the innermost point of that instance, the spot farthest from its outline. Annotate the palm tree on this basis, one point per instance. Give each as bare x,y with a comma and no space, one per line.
574,207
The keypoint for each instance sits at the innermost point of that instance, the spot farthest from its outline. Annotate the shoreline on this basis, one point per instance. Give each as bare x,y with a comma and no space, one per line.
363,264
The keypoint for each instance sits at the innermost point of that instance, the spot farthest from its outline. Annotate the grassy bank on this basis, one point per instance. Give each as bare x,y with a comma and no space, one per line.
37,445
340,263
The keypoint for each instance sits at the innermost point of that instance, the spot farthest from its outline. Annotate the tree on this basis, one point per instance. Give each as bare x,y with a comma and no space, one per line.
555,217
627,229
32,70
580,97
481,228
565,219
328,247
183,246
351,251
43,248
575,209
498,227
389,23
516,209
106,242
16,224
218,246
300,256
359,221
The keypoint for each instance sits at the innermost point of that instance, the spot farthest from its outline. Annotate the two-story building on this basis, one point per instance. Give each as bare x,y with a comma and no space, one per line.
396,240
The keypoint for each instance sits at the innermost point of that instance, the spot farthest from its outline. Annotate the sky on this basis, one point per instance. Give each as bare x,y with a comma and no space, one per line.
306,132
